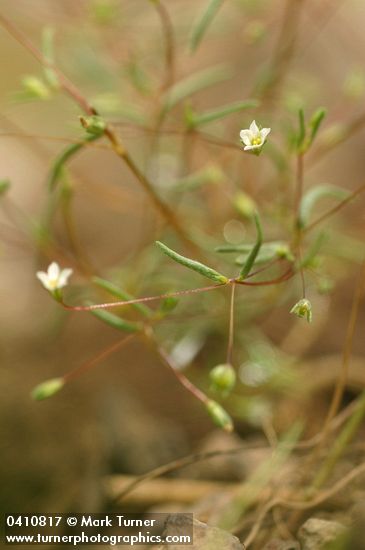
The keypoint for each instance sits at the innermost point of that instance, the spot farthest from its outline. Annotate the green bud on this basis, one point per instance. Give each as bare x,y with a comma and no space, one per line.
325,286
94,124
303,309
47,389
283,251
168,304
245,205
35,87
4,186
219,416
223,378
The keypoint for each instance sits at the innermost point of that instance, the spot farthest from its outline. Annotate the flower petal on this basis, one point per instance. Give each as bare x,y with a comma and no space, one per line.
245,136
44,279
254,129
53,271
64,275
264,133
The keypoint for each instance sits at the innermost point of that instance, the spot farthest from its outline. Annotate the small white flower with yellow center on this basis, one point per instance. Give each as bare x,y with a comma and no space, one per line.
54,279
253,138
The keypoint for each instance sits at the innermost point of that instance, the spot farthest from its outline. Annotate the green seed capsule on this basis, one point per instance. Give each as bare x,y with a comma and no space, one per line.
219,416
47,389
223,378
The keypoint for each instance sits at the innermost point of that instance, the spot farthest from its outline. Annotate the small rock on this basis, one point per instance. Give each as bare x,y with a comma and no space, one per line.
205,537
315,533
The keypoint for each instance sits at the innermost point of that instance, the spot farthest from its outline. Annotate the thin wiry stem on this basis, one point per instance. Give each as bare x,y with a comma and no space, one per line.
231,326
184,381
100,357
284,48
108,305
341,382
287,275
169,38
298,232
335,209
92,145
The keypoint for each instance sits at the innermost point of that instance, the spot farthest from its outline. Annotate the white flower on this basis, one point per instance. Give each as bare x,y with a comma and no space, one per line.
253,138
55,278
303,309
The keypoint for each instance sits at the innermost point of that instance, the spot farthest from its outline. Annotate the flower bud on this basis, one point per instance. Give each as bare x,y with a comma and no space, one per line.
35,88
223,378
48,388
168,304
245,205
94,124
303,309
283,252
4,186
219,416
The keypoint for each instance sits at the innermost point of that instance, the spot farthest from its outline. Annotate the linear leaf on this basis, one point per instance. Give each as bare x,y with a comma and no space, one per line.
203,23
226,248
65,156
314,195
116,291
254,252
316,121
115,321
193,264
194,83
302,132
225,110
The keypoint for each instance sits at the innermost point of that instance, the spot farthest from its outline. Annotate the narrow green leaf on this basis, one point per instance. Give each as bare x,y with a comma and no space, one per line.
314,249
209,175
116,291
4,186
168,305
254,252
193,264
225,110
316,121
301,133
47,50
266,247
64,157
115,321
314,195
262,257
201,26
194,83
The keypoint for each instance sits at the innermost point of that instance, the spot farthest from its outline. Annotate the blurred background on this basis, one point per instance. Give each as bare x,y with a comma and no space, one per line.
137,63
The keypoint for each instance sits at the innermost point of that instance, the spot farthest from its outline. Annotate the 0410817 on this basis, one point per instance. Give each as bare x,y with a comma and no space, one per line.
32,520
